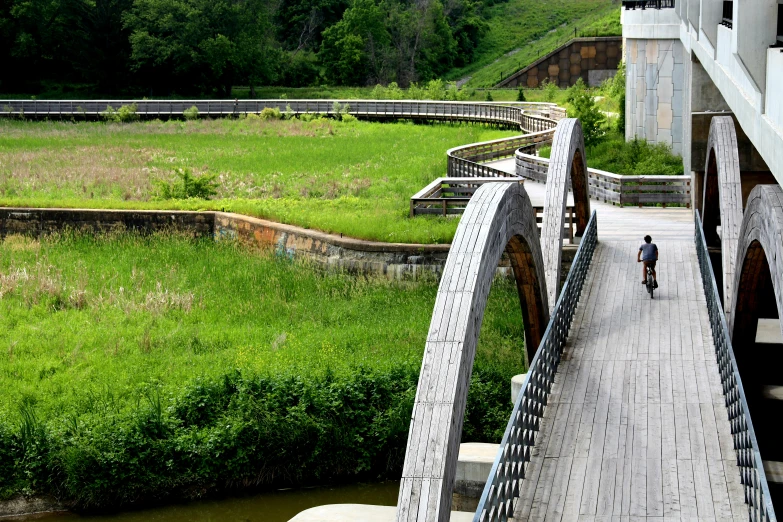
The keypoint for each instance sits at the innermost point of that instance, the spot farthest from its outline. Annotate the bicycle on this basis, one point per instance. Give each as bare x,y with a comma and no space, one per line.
650,282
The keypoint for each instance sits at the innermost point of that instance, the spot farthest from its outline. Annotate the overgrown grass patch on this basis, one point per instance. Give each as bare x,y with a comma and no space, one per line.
353,178
636,157
142,367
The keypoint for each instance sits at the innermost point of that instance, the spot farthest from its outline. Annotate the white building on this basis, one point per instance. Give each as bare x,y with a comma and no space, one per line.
687,60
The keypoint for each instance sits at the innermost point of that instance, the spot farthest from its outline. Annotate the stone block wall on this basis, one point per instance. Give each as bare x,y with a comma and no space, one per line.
592,59
655,91
397,261
37,221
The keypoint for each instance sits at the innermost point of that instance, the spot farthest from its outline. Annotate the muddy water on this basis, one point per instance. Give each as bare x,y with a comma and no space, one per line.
278,506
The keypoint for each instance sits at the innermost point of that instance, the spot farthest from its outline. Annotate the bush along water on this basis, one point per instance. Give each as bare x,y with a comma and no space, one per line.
235,431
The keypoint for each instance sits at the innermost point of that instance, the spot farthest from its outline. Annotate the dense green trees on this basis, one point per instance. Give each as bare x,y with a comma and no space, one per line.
189,47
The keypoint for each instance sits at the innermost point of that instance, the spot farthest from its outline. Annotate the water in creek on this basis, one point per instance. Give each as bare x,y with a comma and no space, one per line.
276,506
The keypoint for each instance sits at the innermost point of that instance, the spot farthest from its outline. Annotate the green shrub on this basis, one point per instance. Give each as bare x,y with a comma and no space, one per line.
521,95
550,90
191,114
289,112
268,113
349,118
583,107
187,186
636,157
125,113
242,430
488,97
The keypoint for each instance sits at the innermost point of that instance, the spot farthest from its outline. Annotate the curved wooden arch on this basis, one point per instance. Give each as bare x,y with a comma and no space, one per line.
758,280
567,170
722,199
498,218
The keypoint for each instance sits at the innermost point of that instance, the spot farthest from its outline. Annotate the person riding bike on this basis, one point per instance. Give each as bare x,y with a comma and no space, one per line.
648,255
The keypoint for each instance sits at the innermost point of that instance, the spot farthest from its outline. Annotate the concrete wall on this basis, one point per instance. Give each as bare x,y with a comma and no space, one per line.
592,59
755,28
655,86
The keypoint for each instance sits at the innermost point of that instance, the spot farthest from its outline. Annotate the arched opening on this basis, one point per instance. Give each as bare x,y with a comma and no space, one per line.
722,204
755,326
758,349
534,313
579,186
498,219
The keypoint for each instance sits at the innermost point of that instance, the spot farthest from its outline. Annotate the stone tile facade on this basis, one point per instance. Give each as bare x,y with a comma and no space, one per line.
592,59
655,91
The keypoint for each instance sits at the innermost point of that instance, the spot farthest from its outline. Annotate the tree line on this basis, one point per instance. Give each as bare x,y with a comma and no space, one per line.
205,47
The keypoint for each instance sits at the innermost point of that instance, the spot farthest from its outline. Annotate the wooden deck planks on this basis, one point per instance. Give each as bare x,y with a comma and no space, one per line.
636,429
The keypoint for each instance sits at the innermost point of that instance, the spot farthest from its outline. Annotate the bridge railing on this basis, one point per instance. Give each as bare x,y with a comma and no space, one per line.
616,188
529,116
503,485
752,474
466,160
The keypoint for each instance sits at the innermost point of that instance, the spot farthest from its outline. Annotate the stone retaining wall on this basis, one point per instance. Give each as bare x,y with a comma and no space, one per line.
392,260
592,59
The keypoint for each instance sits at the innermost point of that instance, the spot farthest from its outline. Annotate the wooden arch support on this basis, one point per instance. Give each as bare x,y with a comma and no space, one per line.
498,218
567,171
758,280
722,201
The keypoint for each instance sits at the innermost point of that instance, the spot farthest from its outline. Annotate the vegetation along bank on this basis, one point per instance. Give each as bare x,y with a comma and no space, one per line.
143,368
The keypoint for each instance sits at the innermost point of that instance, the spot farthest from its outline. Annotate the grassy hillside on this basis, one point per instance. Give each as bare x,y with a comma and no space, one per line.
522,30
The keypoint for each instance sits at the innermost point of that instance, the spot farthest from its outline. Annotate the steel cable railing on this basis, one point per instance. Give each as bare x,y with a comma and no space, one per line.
752,474
503,485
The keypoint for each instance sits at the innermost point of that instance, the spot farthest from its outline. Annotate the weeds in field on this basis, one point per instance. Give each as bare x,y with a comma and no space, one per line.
336,176
196,366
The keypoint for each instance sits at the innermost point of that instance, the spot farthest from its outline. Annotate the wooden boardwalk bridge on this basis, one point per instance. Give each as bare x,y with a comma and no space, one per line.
635,423
633,408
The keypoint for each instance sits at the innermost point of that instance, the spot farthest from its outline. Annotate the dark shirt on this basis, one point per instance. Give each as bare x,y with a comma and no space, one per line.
649,251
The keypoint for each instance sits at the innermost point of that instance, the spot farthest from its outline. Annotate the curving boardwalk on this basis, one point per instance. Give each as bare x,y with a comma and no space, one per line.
636,424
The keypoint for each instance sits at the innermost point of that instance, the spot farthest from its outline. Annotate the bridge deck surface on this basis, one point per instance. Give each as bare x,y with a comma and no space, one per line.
621,222
636,427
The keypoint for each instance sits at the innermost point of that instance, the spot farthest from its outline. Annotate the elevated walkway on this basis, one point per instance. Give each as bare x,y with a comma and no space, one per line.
636,422
632,408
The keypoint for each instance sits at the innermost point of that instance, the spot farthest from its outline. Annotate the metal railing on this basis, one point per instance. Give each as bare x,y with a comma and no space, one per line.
751,467
616,188
502,488
525,115
450,197
648,4
466,160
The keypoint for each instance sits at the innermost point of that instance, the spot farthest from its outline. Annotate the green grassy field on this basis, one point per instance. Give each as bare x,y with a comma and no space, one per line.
140,368
351,178
86,318
511,45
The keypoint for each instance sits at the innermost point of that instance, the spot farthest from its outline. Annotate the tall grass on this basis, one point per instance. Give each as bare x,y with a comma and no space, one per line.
351,178
186,366
636,157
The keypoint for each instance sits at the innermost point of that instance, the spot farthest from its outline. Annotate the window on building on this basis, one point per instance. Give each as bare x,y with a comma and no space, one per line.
780,23
728,13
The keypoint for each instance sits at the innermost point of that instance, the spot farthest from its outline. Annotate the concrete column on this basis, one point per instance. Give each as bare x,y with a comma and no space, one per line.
655,90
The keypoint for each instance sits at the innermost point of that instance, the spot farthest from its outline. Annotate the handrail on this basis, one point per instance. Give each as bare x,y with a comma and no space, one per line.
502,487
512,114
616,188
745,444
535,118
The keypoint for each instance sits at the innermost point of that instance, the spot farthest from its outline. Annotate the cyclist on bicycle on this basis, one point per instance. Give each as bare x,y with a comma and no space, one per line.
648,255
